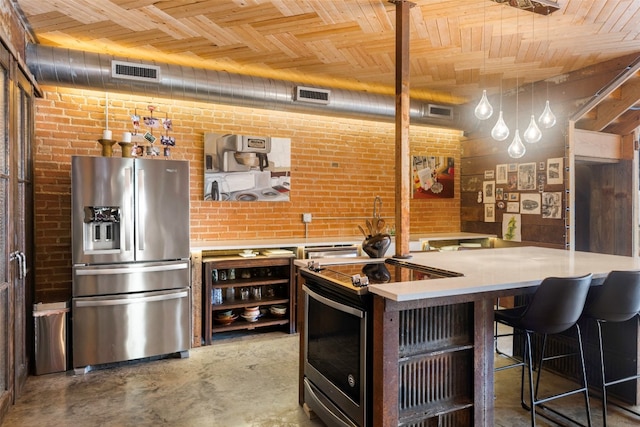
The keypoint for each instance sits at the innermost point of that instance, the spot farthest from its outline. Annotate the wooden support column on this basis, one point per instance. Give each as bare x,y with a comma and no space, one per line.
402,175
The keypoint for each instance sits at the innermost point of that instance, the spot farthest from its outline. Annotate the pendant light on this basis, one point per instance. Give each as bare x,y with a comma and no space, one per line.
516,148
532,134
500,131
483,110
547,119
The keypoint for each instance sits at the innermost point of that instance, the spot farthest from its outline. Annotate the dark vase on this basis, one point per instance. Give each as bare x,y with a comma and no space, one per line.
376,245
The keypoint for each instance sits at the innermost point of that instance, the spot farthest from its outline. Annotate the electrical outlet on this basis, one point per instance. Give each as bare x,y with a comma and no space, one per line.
306,217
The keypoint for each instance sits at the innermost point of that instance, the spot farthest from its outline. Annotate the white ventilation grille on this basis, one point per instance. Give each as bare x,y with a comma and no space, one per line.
132,71
437,111
312,95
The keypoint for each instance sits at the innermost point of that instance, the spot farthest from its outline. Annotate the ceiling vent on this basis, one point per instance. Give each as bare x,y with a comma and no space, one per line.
132,71
312,95
437,111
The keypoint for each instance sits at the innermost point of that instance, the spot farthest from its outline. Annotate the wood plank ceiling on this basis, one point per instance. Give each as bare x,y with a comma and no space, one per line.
458,47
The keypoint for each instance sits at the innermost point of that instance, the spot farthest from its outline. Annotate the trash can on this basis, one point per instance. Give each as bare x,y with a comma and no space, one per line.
51,337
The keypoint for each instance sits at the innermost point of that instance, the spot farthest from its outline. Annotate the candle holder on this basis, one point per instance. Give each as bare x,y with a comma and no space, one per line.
126,148
107,144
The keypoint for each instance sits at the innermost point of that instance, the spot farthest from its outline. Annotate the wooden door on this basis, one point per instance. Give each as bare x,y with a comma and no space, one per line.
21,119
16,229
8,263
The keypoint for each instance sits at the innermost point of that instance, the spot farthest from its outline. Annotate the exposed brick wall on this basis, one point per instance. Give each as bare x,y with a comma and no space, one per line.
338,167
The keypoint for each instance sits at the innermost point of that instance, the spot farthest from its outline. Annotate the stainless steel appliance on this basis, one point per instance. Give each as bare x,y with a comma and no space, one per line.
335,251
131,294
338,338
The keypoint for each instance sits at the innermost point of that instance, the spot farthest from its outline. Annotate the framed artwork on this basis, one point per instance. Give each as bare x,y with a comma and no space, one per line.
512,167
499,194
489,212
554,171
552,205
527,176
501,174
530,203
511,227
489,191
512,183
514,197
489,174
513,207
433,177
247,169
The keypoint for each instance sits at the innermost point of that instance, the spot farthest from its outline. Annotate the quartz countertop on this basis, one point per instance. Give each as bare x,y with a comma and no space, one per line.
500,269
320,241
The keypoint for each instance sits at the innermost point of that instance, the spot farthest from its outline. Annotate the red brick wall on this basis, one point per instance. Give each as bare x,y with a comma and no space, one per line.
338,167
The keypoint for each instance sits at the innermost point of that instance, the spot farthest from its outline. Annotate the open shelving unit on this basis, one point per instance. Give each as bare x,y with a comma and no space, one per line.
273,275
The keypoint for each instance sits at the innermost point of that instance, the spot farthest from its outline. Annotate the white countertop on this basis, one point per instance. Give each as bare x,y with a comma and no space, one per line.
319,241
500,269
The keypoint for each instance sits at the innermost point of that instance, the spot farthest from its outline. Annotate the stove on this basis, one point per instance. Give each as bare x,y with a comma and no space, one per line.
355,277
337,338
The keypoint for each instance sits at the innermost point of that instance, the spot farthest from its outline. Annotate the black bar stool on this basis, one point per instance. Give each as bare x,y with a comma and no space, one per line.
555,307
617,300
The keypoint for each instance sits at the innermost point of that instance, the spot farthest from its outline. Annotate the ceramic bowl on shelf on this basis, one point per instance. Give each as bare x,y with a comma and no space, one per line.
225,320
278,310
250,317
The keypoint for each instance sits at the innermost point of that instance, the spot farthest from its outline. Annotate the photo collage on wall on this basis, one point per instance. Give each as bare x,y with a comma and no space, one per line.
518,189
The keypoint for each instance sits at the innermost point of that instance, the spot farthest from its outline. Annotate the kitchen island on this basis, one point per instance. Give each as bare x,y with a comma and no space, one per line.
433,354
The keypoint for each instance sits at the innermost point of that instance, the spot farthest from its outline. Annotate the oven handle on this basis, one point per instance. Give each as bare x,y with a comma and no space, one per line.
341,307
125,301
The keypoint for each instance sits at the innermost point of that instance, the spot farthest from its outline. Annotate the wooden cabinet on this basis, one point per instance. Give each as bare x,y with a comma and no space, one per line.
234,283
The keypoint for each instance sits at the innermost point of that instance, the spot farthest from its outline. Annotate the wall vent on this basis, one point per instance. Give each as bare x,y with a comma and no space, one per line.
437,111
313,95
132,71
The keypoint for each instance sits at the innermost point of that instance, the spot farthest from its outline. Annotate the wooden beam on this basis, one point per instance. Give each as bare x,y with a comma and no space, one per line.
597,145
402,163
611,108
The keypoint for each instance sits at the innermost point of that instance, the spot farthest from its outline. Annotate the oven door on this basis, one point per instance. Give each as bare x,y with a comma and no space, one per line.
335,358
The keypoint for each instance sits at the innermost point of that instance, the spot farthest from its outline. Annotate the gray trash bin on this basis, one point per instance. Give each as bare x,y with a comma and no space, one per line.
51,337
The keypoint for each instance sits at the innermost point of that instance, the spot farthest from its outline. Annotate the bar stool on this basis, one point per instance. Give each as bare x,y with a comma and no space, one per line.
555,307
617,300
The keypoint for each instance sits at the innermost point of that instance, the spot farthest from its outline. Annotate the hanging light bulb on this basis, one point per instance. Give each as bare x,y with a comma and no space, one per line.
483,110
500,131
547,119
532,134
516,149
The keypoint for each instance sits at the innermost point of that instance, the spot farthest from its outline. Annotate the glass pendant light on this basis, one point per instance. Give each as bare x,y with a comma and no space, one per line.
483,110
547,119
500,131
532,134
516,149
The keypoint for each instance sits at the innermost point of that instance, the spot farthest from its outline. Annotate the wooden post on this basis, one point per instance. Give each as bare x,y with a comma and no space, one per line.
402,176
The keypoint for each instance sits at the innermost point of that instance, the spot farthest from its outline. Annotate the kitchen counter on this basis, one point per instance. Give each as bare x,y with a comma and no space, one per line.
499,270
218,245
446,326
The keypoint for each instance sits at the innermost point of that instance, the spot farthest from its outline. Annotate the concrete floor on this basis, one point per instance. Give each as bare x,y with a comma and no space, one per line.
236,382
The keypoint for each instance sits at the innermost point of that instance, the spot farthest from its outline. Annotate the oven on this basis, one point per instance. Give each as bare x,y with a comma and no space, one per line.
338,337
335,363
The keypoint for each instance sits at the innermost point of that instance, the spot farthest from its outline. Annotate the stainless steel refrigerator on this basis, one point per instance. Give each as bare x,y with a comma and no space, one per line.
131,296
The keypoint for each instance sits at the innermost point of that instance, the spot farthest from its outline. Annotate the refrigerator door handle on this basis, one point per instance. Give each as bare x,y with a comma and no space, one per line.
128,246
125,270
140,225
126,301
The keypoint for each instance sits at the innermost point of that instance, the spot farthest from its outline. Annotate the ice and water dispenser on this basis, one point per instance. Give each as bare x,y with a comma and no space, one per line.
101,228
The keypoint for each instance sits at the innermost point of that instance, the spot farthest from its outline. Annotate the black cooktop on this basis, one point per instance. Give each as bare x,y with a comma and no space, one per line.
358,276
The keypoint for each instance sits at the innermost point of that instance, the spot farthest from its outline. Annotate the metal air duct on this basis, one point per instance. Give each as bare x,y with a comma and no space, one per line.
86,70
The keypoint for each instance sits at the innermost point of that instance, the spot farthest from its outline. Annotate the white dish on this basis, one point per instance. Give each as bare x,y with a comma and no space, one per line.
247,254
